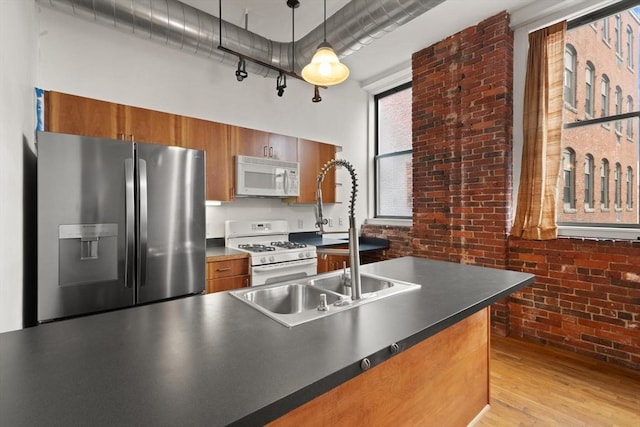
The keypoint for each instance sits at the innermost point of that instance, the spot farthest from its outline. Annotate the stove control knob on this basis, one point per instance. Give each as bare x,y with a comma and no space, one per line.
300,255
263,260
272,259
308,254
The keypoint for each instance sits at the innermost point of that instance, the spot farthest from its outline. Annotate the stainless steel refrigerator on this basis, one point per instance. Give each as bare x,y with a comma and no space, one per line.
119,224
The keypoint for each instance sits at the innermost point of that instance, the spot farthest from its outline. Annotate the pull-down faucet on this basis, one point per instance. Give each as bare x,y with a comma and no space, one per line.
354,251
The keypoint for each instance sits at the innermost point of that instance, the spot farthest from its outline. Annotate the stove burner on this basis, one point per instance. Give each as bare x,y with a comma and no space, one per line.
288,245
255,247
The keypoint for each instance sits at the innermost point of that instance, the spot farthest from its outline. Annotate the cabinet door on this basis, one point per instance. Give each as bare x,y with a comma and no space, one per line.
149,126
248,142
213,138
80,116
283,147
312,156
227,283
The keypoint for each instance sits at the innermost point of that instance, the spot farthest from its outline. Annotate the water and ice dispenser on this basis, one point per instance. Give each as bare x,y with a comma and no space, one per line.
88,253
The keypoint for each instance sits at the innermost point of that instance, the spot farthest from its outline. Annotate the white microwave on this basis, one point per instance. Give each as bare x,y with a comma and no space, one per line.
266,177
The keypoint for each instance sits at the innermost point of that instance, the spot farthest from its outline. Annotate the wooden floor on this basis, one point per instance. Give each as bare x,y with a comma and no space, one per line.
535,385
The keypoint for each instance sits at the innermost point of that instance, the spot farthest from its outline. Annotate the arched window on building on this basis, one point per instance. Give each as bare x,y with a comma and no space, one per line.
604,96
570,75
618,35
569,175
629,188
589,168
630,54
630,120
604,185
618,106
589,80
617,200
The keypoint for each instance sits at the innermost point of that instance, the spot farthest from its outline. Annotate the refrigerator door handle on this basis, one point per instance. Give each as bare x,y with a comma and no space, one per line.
129,223
143,224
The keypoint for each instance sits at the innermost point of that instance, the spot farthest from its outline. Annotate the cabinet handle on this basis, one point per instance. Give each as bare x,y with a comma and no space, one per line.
270,151
264,151
224,269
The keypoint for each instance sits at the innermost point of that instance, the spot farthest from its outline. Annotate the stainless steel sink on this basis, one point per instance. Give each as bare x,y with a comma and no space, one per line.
289,298
299,301
341,284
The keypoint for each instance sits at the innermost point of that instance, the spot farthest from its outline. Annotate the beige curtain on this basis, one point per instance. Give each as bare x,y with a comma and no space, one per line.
535,217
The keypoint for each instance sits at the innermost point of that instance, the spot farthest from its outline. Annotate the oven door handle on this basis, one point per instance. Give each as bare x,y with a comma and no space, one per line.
284,265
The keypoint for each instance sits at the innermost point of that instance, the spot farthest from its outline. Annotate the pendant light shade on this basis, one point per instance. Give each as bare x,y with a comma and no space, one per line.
325,69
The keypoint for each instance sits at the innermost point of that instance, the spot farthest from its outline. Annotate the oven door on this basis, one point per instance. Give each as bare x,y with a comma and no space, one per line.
283,271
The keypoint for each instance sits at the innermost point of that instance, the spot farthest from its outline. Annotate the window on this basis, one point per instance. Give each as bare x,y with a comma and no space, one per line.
605,30
630,47
604,185
618,101
604,96
588,182
589,76
393,159
598,179
630,120
617,200
568,169
629,188
570,76
617,35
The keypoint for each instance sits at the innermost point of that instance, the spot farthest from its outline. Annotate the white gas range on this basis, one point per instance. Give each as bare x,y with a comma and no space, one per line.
273,258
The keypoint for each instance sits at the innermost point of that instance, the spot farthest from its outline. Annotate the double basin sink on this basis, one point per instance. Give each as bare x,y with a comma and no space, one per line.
298,301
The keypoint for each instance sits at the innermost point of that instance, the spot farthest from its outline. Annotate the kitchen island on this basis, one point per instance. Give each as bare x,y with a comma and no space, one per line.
213,360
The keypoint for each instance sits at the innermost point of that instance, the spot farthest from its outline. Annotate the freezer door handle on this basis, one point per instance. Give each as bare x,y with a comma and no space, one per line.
143,241
129,250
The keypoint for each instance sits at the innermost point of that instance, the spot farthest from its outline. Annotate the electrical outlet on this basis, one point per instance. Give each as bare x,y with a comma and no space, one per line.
330,222
300,224
340,221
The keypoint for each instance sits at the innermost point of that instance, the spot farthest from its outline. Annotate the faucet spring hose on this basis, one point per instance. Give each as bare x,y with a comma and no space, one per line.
354,179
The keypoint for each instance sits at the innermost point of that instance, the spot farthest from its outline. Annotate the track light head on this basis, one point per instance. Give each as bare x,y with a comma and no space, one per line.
316,94
241,72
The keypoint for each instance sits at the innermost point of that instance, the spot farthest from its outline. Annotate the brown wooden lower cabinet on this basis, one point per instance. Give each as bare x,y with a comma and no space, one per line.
332,262
441,381
224,274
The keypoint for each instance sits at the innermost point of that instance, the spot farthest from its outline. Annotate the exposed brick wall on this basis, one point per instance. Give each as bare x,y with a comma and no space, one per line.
462,114
586,297
399,241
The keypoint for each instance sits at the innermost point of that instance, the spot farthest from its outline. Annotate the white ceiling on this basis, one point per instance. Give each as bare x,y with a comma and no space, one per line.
272,19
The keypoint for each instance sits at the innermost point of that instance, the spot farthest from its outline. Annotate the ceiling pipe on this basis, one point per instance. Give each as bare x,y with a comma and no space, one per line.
178,25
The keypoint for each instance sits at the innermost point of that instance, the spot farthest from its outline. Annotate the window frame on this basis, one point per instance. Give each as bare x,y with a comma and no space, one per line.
606,231
377,156
569,85
589,96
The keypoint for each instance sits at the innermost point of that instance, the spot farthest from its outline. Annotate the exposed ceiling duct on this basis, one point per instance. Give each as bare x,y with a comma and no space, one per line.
175,24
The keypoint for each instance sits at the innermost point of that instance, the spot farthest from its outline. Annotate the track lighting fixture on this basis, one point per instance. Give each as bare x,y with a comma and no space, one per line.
241,72
281,84
331,71
316,94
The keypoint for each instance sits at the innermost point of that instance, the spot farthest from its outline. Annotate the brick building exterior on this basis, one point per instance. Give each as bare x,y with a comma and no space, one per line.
586,297
601,78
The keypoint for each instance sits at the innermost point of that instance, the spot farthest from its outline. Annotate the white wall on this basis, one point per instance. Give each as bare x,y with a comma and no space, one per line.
18,32
87,59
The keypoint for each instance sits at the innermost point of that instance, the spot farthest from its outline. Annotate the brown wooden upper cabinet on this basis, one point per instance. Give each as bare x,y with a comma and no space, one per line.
312,155
77,115
152,126
212,137
257,143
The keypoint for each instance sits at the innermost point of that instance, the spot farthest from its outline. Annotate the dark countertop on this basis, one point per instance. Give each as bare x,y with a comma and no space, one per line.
364,243
213,360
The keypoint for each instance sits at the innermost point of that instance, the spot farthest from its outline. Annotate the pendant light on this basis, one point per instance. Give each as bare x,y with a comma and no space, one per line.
325,69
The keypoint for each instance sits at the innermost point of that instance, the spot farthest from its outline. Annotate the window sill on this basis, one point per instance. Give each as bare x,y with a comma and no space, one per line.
570,210
589,210
599,233
603,209
392,222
